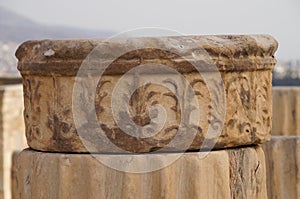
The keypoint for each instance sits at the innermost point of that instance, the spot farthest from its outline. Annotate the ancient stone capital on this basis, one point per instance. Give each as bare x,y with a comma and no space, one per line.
87,96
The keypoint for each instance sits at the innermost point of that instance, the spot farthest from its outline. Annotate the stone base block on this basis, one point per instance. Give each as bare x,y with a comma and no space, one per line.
283,167
11,132
286,111
232,173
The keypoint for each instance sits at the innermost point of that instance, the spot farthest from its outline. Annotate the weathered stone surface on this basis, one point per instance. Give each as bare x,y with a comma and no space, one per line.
282,155
286,111
11,132
232,173
69,54
244,63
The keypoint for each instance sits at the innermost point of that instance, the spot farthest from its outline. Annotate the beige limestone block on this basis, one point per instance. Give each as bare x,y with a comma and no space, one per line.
100,114
11,132
286,111
231,173
282,155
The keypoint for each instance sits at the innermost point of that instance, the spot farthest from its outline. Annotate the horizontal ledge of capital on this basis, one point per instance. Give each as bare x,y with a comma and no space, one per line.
227,52
226,45
73,67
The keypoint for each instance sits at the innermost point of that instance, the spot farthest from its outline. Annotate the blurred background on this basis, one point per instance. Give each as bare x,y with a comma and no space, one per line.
34,19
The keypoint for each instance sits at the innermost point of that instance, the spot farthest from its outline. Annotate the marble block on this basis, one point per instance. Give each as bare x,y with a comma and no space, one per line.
147,94
286,110
282,155
226,174
12,130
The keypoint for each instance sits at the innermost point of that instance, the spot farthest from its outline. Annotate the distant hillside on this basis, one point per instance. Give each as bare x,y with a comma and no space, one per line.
15,29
